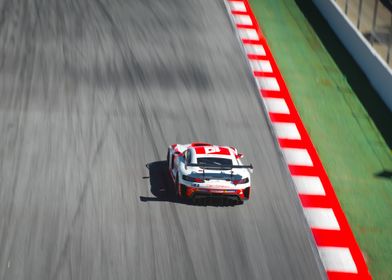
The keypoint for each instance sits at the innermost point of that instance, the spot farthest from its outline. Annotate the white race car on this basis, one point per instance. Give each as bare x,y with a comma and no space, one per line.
201,169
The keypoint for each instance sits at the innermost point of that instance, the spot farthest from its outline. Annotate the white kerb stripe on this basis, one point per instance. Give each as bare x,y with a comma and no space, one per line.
242,19
261,65
248,34
276,105
337,259
237,6
296,156
309,185
267,83
321,218
254,49
286,130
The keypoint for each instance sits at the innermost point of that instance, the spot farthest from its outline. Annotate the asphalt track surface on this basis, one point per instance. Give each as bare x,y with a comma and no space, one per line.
90,92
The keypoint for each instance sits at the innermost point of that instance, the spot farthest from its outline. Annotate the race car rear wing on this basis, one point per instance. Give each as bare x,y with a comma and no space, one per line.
220,167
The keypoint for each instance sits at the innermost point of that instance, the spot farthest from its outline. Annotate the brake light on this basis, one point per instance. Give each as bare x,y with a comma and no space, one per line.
192,179
241,181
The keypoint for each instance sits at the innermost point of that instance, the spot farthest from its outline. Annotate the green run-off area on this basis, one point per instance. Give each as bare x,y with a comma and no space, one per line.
349,125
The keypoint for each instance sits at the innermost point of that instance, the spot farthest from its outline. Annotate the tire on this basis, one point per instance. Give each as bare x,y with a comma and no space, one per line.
177,186
247,193
183,192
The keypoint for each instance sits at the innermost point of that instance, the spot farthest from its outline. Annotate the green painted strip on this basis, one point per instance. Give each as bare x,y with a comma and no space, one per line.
349,125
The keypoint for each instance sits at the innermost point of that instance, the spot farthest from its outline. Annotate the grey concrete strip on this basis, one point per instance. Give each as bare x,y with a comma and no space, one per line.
92,91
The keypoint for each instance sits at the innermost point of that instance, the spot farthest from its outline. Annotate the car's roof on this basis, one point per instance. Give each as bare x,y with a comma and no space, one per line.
204,149
213,151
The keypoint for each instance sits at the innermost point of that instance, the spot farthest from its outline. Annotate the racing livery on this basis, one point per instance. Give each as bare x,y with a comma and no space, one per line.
201,169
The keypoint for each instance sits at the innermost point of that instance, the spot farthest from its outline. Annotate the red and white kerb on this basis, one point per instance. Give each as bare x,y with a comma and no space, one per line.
339,252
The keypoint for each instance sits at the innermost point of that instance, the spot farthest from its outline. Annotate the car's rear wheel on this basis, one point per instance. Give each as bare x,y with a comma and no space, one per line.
178,191
183,192
246,193
181,189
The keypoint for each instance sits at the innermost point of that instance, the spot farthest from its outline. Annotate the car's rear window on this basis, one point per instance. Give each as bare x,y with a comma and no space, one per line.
214,161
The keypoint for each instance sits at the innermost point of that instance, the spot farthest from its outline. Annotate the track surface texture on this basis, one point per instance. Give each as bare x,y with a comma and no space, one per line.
90,92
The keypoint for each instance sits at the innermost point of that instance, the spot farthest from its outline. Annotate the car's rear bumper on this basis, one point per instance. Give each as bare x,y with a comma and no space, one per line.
193,192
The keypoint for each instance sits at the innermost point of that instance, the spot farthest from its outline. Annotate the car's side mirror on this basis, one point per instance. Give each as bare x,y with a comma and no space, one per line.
239,155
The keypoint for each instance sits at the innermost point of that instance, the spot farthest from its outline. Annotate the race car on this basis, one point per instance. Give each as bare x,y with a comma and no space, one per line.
204,170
